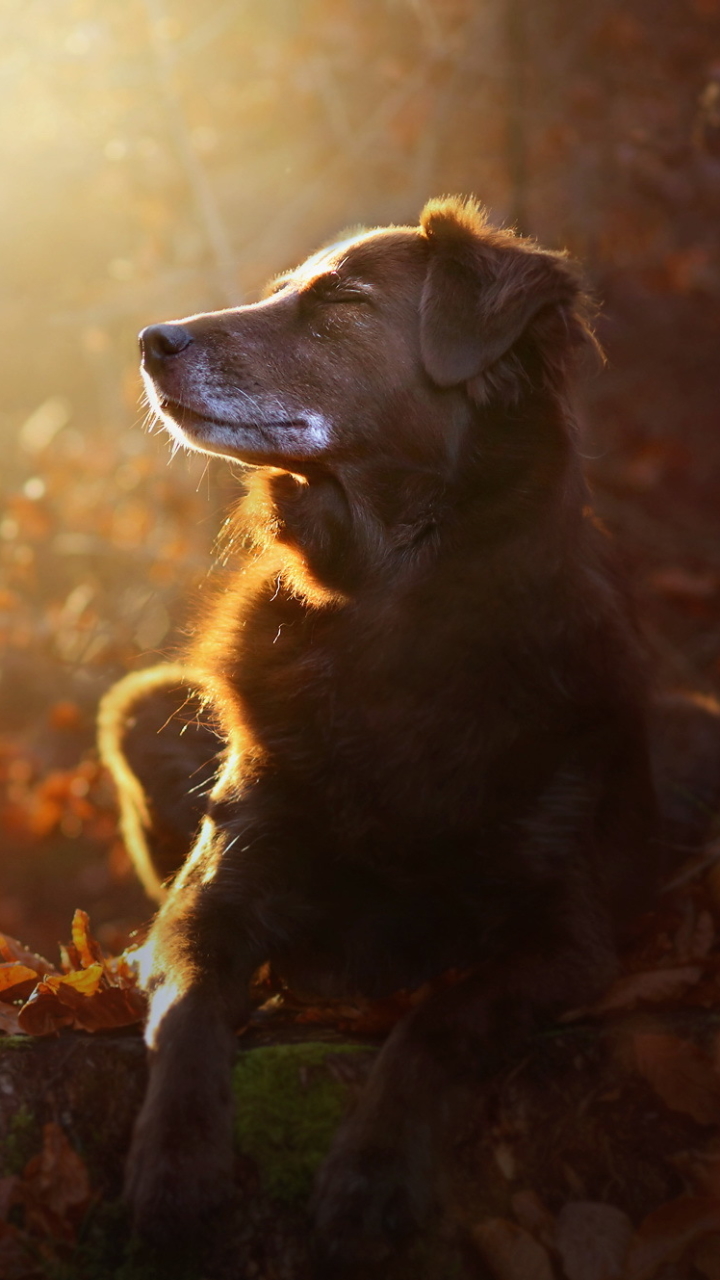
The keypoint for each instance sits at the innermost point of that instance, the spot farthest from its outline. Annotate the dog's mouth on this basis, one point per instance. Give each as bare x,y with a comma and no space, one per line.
270,440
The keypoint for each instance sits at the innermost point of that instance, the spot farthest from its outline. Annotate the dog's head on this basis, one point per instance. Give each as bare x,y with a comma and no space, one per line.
382,346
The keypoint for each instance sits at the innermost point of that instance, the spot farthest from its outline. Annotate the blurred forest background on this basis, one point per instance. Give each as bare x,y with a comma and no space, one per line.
161,158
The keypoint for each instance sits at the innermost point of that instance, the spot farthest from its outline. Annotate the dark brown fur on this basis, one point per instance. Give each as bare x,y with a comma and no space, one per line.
429,693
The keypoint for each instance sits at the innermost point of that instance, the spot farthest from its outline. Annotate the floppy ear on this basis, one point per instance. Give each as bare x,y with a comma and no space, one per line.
483,290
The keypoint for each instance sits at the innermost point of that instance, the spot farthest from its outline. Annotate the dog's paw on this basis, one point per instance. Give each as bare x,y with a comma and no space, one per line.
178,1195
368,1203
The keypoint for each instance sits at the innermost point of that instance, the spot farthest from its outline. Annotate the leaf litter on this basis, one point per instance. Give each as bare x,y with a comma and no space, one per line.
43,1208
90,992
674,964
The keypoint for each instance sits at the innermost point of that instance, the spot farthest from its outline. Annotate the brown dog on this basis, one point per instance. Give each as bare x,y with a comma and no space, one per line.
429,698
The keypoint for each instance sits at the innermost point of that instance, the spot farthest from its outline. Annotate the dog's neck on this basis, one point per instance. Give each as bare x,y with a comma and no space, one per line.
352,526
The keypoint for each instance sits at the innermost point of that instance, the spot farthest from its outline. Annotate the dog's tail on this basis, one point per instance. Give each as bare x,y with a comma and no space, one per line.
156,738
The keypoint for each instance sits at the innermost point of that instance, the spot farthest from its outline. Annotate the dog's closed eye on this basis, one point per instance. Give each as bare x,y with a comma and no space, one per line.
332,288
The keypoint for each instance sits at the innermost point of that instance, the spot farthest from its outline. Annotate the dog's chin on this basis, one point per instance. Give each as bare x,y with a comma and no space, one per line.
280,443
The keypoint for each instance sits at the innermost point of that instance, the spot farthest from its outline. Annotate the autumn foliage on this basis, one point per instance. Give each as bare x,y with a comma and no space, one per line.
161,165
42,1209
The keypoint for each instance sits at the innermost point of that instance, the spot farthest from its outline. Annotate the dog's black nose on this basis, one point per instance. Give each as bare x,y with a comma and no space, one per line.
159,341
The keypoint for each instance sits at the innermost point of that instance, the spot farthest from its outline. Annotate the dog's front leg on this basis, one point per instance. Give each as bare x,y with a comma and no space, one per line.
378,1183
210,936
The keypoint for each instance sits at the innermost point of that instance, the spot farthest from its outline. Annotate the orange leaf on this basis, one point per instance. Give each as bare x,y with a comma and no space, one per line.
43,1014
69,958
65,715
54,1187
652,986
510,1252
93,993
16,980
57,1176
124,970
666,1234
84,981
11,949
107,1008
680,1073
78,1000
86,946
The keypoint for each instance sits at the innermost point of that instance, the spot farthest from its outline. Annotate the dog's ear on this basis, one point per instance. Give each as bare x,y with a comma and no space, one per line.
484,290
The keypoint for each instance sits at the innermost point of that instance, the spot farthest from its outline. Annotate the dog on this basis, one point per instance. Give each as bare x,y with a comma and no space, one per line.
420,709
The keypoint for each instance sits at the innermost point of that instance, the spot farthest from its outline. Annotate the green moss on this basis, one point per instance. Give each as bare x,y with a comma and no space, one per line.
288,1105
16,1042
20,1142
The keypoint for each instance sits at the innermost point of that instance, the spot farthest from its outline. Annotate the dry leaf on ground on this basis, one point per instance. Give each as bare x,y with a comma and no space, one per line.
653,986
667,1233
54,1188
50,1199
93,993
534,1216
706,1257
510,1252
83,999
680,1073
592,1240
16,981
17,1260
695,938
85,945
9,1024
12,950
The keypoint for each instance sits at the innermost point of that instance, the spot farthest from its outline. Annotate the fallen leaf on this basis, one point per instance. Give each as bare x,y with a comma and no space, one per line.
653,986
9,1023
111,1007
358,1016
505,1160
64,715
42,1014
510,1252
85,945
94,993
679,584
7,1195
69,957
82,999
125,969
706,1257
680,1073
695,941
56,1178
84,982
667,1233
702,1169
17,1260
592,1240
533,1215
12,950
16,980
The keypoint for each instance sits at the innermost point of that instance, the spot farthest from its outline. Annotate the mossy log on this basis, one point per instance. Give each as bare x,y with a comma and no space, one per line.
593,1114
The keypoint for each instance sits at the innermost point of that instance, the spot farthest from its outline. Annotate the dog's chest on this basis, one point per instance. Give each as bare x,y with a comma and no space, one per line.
382,725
